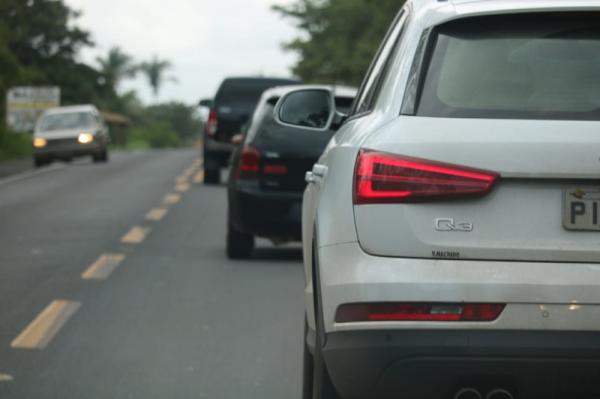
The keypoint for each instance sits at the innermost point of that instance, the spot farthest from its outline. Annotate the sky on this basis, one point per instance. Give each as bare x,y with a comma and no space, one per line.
206,40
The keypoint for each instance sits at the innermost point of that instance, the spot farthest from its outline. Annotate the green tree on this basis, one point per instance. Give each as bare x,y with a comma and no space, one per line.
155,71
340,37
38,44
179,116
115,67
41,30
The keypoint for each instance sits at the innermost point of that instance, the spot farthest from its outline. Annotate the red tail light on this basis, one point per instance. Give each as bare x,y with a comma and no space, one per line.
249,163
432,312
212,123
386,178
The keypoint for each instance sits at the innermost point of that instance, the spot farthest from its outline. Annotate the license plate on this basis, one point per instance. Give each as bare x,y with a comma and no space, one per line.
582,209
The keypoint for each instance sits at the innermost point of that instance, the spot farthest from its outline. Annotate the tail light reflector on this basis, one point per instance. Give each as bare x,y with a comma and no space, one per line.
249,163
386,178
212,123
275,169
429,312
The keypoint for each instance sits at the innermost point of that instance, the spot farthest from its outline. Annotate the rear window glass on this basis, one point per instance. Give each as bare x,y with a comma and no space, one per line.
62,121
534,66
262,115
245,93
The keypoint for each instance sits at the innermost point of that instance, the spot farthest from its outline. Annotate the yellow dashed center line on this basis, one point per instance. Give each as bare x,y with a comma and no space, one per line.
6,377
181,180
183,187
156,214
46,325
136,235
103,267
188,172
199,178
172,199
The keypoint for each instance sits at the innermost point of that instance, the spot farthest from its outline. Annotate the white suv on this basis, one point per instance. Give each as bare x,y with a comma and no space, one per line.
452,226
68,132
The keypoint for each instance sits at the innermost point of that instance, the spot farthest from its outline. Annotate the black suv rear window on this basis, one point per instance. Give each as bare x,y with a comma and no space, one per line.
533,66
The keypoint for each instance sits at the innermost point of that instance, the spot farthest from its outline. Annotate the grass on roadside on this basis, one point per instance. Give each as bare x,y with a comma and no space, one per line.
14,145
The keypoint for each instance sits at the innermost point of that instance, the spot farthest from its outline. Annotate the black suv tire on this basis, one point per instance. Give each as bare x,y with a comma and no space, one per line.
239,244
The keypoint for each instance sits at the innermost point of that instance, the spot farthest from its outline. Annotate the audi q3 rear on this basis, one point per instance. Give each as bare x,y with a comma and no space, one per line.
452,226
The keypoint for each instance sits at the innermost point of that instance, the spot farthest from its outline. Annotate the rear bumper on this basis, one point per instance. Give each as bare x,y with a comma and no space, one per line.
539,295
435,364
266,214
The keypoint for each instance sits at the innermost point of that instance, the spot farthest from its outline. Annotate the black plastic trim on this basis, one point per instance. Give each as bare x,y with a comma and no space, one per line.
418,72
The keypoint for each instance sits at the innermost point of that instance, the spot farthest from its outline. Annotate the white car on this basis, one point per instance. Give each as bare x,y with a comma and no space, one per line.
68,132
451,228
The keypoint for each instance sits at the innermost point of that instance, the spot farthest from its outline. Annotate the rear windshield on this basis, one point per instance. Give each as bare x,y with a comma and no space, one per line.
245,93
534,66
262,115
72,120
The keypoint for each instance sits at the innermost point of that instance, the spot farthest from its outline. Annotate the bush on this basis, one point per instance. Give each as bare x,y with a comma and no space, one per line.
155,135
14,145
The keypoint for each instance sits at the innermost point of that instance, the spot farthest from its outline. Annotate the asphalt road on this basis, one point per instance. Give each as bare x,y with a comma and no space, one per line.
16,166
90,308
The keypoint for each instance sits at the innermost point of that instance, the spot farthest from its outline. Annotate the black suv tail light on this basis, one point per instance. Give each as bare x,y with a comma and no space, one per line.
249,163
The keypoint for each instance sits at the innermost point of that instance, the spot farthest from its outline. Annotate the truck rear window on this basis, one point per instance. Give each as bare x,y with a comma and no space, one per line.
528,66
245,93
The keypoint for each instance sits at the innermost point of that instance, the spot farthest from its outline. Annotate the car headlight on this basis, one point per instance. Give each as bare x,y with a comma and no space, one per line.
40,142
85,138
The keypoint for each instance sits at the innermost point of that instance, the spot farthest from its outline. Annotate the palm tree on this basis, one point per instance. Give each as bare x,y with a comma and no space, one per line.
155,70
116,66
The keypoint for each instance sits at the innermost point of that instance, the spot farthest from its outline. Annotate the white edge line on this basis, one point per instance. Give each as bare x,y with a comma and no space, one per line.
28,174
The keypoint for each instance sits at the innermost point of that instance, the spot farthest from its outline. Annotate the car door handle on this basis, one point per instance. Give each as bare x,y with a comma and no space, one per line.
310,177
319,170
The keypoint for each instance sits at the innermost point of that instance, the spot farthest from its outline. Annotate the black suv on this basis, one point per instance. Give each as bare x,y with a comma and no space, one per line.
234,103
268,170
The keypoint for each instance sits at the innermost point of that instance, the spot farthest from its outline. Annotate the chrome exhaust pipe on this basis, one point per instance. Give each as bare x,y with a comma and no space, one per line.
468,393
499,393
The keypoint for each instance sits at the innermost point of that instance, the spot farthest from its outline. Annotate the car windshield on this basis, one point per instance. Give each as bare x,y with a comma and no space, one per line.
527,66
63,121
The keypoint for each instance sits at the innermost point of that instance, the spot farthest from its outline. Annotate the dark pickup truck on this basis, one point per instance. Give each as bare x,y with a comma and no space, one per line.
234,103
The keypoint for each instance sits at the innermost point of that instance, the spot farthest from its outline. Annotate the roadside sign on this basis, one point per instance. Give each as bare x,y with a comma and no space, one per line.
24,105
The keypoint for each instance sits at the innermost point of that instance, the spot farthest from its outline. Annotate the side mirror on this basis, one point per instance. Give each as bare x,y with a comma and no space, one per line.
206,102
307,108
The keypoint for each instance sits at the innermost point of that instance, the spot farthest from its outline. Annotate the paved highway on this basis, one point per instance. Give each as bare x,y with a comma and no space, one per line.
114,284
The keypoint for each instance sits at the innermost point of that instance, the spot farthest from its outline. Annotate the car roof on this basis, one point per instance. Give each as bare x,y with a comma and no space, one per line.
339,91
72,108
259,78
434,12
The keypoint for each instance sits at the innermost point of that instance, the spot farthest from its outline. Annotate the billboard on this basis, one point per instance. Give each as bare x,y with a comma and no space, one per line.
24,105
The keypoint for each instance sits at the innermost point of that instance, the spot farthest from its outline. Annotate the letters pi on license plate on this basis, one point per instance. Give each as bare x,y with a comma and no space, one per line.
582,209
